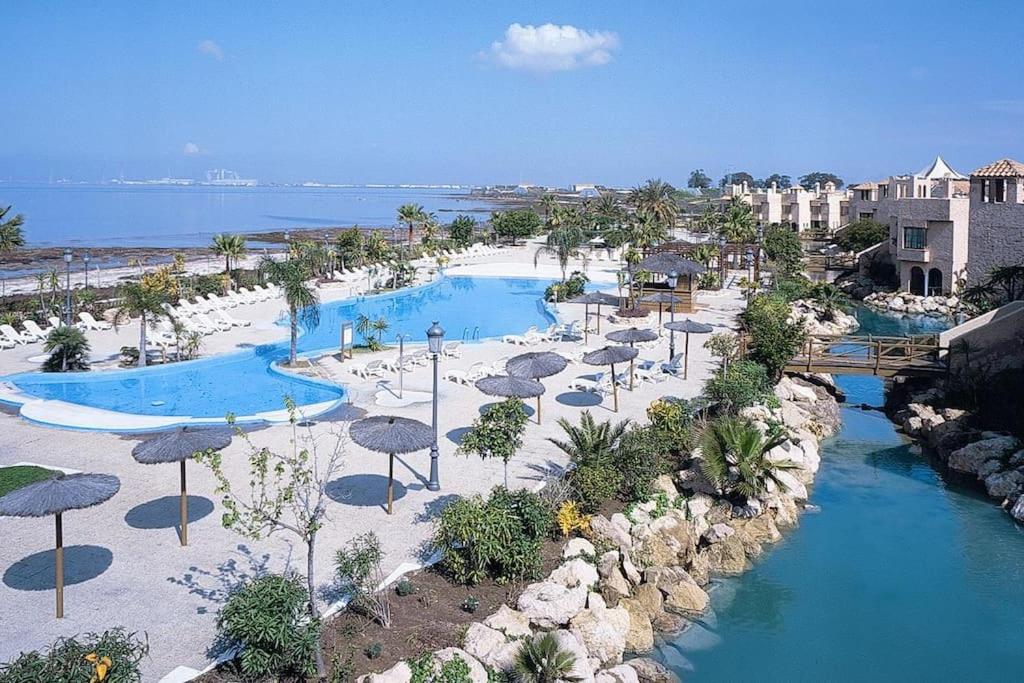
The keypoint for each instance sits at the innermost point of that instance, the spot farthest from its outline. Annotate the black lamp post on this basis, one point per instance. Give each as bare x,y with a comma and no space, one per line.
435,341
86,258
672,279
750,272
68,256
722,242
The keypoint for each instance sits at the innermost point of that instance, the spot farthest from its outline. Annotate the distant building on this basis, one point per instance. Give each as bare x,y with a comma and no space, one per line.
820,208
586,190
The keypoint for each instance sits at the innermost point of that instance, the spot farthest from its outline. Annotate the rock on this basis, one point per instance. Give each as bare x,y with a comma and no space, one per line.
913,425
581,669
793,416
509,621
812,456
727,557
700,569
575,572
664,483
602,631
694,480
577,547
677,532
490,647
549,605
604,530
1017,511
1017,459
970,458
630,570
1004,484
763,529
477,672
989,467
686,597
620,520
699,505
649,597
790,484
640,637
618,674
717,532
615,587
650,671
399,673
721,511
667,622
802,394
662,577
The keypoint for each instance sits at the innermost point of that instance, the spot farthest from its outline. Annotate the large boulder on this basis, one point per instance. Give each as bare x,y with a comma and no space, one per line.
1017,511
477,672
549,605
727,557
575,572
509,621
971,457
686,597
617,674
1004,484
578,547
604,530
650,671
581,669
763,529
664,484
399,673
789,484
490,647
602,631
640,637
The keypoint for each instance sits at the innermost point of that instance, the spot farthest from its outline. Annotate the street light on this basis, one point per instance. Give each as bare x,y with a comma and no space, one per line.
750,272
401,363
435,340
673,278
85,259
67,286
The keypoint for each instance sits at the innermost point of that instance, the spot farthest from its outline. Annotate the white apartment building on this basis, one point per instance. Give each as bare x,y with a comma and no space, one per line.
820,208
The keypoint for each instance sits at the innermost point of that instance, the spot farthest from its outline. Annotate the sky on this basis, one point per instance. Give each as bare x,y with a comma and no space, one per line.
485,93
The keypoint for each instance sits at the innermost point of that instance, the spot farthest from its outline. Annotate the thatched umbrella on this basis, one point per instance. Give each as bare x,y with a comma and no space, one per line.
179,446
391,434
688,326
510,386
535,365
610,355
631,336
55,497
593,298
662,298
666,262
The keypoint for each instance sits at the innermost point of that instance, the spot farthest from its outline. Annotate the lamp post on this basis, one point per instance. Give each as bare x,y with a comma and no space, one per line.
435,340
67,287
85,258
750,272
672,279
401,363
287,245
721,259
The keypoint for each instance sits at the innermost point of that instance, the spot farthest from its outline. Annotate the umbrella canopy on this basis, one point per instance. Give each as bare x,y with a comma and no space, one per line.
599,298
510,386
631,336
59,494
610,355
391,434
536,364
662,298
689,326
667,262
180,444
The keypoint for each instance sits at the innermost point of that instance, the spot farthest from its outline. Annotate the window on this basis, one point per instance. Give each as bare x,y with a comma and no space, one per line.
913,238
865,216
999,190
884,190
865,195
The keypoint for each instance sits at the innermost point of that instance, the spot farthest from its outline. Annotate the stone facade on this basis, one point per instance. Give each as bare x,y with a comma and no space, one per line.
820,208
996,219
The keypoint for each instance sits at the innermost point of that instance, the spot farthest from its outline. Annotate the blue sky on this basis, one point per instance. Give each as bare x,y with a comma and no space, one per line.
415,92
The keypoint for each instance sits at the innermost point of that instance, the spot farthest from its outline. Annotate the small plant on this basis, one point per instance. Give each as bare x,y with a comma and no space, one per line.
594,483
543,661
113,656
404,587
723,346
358,567
736,456
738,386
343,667
672,420
661,505
68,349
455,670
129,356
498,433
421,668
373,650
570,519
470,604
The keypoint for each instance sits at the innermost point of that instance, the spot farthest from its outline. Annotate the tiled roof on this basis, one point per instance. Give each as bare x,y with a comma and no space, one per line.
864,186
1004,168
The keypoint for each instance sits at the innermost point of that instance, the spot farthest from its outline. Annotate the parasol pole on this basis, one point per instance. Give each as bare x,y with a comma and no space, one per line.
391,479
599,317
631,370
586,323
538,410
184,507
686,355
59,556
615,389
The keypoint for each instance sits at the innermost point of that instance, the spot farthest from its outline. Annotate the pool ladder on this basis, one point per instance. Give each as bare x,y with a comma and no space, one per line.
466,335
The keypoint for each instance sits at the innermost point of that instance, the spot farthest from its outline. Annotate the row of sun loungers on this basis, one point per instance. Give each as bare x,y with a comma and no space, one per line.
32,333
408,362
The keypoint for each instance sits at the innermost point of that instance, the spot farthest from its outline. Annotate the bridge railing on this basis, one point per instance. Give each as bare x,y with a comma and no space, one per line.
870,352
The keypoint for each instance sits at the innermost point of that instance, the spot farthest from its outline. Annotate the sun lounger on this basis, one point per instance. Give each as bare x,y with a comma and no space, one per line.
674,366
196,326
374,368
204,320
6,343
232,320
452,349
219,302
32,328
92,323
457,376
11,334
601,384
55,321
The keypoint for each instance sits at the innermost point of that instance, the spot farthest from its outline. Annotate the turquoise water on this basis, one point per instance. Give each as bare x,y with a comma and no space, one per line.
900,576
244,383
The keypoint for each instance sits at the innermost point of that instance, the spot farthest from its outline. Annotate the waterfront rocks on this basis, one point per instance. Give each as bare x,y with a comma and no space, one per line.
602,630
1017,511
509,621
818,320
618,674
640,636
971,457
490,647
549,604
650,671
913,304
1004,484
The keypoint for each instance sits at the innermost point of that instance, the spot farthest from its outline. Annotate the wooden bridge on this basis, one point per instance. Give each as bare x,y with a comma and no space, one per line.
918,354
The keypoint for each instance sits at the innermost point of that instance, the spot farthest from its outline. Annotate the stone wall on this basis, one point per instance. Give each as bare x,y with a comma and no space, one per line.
996,232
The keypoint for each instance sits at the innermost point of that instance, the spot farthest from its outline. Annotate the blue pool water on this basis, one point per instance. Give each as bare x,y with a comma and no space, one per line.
245,383
899,577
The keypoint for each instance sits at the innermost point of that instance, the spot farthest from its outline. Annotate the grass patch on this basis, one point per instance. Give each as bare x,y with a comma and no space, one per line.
15,477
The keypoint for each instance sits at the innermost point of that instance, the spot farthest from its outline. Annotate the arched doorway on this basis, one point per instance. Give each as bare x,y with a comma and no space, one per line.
916,280
934,282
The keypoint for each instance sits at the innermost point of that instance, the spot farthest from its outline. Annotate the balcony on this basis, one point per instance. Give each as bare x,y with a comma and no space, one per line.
915,255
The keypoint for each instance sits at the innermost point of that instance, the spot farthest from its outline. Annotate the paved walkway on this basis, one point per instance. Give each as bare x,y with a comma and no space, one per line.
124,564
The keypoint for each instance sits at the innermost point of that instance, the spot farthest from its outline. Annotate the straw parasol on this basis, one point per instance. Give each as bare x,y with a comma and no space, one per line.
610,355
510,386
593,298
631,336
665,262
55,497
535,365
661,298
688,326
391,434
179,446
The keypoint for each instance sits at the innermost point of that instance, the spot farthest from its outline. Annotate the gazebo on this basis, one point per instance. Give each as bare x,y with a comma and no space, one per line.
667,264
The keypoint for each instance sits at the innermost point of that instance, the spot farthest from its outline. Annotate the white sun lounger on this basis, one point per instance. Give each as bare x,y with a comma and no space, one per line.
13,335
374,368
232,320
452,349
92,323
221,325
32,328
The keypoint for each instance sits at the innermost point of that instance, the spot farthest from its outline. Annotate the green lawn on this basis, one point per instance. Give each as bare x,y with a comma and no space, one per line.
15,477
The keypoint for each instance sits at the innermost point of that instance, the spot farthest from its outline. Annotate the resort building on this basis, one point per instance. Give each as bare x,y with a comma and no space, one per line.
996,235
821,208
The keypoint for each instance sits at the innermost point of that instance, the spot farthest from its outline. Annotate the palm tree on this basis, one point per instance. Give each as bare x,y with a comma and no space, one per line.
830,298
543,661
647,230
292,277
563,243
655,197
548,203
68,349
590,441
144,301
738,224
231,247
11,234
735,456
411,214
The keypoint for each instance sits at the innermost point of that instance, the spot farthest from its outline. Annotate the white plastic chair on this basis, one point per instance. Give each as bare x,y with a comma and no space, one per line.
92,323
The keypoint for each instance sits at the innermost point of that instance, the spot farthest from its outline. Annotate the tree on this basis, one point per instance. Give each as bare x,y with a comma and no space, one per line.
283,492
498,433
68,349
411,214
542,660
350,246
699,180
590,441
738,224
1003,285
862,234
647,231
655,198
358,567
231,247
782,246
549,203
514,224
820,178
11,234
774,340
735,456
563,243
461,230
608,213
782,182
142,299
737,178
302,298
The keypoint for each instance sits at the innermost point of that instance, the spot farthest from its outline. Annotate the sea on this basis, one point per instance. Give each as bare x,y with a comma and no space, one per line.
120,215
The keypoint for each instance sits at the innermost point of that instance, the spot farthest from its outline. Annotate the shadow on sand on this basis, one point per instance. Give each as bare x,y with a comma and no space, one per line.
36,572
163,513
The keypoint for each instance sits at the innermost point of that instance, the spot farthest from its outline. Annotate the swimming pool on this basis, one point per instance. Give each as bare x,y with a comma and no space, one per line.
246,383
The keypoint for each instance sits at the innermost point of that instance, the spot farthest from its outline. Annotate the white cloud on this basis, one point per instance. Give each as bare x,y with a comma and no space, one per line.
552,48
191,149
211,48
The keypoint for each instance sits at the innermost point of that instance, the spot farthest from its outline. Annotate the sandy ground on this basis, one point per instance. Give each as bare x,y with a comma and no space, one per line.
124,563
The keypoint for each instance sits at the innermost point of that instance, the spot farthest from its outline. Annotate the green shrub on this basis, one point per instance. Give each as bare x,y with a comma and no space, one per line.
68,348
573,287
116,652
735,456
773,340
642,456
498,537
358,568
672,420
739,386
862,234
267,618
373,650
404,587
594,483
782,246
542,660
793,287
498,433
